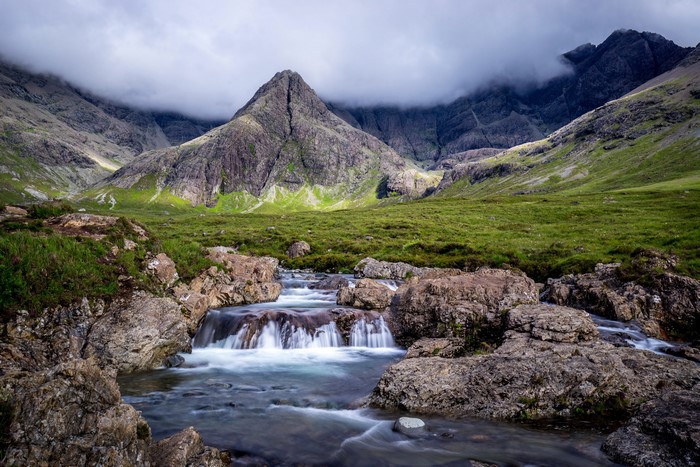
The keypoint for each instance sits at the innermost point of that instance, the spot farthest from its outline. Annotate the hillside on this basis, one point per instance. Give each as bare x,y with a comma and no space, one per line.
649,139
57,139
504,115
283,150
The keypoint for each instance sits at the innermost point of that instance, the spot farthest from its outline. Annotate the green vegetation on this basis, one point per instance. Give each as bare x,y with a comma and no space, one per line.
546,236
49,209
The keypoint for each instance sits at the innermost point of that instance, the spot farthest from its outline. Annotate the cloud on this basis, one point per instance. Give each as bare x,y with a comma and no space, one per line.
207,58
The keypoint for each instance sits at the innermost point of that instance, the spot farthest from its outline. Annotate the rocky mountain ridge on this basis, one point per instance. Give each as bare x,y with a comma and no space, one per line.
502,116
57,139
283,142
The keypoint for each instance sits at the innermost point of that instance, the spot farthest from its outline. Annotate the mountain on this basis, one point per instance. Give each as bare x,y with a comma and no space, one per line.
284,147
649,139
503,116
57,139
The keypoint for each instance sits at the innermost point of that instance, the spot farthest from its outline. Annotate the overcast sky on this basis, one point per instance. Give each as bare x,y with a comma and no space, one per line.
207,58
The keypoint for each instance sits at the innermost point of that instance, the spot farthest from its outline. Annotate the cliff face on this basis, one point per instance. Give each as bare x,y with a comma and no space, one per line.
502,116
57,139
283,138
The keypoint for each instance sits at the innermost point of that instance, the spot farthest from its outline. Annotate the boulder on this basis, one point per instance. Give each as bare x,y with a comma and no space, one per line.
371,268
138,333
549,365
72,414
186,448
666,305
367,294
665,432
333,282
410,426
163,268
297,249
470,306
260,268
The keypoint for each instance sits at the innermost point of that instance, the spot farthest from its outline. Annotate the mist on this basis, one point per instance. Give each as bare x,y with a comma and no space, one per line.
206,59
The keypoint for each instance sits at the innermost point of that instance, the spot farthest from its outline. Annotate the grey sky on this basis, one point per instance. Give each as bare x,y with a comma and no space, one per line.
208,57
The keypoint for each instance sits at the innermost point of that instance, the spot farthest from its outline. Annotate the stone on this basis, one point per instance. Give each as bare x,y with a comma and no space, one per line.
373,269
470,305
72,414
164,269
186,448
174,361
667,305
138,333
333,282
410,426
367,294
665,432
261,268
298,249
130,245
536,374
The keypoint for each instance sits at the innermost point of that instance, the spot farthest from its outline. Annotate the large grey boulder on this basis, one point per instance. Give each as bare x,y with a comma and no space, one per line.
367,294
549,365
471,306
186,448
138,333
374,269
297,249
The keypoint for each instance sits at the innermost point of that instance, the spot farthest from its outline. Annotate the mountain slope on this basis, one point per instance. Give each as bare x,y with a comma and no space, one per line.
284,146
57,139
649,139
503,116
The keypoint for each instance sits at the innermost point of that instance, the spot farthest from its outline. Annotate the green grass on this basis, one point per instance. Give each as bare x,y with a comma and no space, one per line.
545,236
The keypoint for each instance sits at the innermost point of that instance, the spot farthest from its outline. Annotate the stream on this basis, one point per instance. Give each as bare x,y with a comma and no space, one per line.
279,383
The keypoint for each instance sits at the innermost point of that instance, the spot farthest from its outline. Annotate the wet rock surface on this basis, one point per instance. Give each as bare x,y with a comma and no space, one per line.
367,294
550,365
665,305
333,282
665,432
445,348
470,305
374,269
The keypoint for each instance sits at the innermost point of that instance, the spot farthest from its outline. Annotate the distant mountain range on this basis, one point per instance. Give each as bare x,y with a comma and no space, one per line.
502,116
286,149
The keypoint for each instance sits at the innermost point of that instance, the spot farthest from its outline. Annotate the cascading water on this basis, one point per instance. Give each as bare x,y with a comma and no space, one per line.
278,383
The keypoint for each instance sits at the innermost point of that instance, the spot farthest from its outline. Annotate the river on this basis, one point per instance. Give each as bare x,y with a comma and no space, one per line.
276,383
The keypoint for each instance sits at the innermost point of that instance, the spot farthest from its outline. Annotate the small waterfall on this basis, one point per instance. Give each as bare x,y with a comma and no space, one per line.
372,334
301,318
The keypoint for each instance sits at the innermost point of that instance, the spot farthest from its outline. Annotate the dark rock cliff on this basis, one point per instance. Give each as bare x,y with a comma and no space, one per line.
503,116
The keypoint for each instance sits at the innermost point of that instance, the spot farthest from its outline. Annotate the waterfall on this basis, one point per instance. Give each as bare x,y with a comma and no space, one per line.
301,318
373,334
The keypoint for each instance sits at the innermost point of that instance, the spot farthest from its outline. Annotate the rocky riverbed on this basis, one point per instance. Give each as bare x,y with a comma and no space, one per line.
480,344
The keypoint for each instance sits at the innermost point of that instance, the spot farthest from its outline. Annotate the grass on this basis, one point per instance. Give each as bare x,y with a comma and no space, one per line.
544,235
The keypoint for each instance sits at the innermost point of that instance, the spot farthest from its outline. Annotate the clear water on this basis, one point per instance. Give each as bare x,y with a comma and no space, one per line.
295,405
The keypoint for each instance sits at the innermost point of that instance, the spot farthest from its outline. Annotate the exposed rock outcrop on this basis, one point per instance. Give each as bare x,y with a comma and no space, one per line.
439,347
667,305
471,305
164,269
92,225
366,294
550,364
333,282
72,414
665,432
